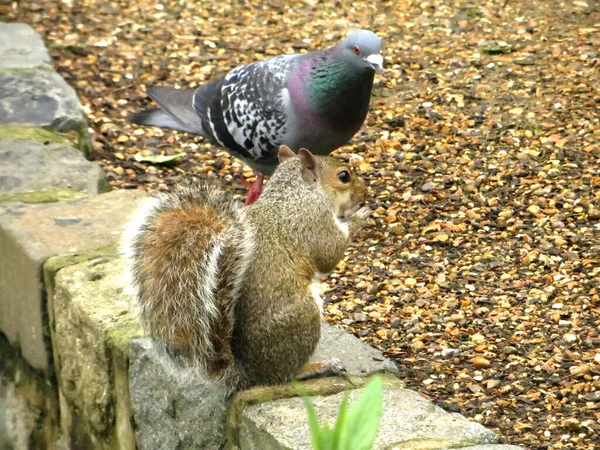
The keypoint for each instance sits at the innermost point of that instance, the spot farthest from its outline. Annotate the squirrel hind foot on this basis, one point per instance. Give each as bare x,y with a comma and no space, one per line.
332,367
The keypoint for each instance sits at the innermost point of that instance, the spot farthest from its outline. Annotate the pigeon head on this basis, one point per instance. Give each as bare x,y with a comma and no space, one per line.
363,48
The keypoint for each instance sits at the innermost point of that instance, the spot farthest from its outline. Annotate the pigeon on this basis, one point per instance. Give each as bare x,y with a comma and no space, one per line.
315,100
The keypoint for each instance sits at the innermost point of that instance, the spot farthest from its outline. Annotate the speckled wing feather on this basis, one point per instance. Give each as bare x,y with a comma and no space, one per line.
245,111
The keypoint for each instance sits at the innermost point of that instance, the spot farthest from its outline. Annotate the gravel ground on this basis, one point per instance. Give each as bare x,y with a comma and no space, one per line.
479,275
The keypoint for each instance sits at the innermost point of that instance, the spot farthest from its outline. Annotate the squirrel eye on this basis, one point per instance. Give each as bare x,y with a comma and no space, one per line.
356,50
344,176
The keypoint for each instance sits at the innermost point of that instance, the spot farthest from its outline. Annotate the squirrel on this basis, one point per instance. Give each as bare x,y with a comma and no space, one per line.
232,289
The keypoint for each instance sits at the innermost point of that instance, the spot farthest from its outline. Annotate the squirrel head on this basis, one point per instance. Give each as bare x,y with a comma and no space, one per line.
345,189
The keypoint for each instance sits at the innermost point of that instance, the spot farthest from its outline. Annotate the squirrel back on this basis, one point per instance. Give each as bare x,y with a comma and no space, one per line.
231,289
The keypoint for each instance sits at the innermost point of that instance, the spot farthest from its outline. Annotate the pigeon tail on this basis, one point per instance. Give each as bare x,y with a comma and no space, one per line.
176,110
156,117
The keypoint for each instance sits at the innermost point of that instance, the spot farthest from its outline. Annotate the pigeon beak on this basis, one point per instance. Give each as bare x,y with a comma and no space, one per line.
376,61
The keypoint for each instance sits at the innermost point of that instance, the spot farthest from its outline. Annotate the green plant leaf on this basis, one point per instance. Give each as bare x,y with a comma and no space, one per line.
340,431
313,423
362,422
157,159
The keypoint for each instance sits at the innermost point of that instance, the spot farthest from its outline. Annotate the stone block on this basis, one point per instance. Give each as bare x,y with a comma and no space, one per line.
34,173
31,93
29,235
40,98
167,401
109,374
408,422
29,417
94,325
22,48
358,357
173,408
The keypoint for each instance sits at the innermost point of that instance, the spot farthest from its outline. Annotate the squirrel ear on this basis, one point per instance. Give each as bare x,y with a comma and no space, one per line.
309,166
284,153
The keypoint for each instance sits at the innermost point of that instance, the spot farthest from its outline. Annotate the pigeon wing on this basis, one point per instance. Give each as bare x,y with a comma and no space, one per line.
253,106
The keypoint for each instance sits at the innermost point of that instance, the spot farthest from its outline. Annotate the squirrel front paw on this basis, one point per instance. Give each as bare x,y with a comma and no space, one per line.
364,212
359,219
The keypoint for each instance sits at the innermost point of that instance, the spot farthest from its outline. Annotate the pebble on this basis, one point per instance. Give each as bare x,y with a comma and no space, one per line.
571,423
594,214
450,352
396,323
410,282
509,350
481,363
478,338
373,289
418,345
427,187
592,396
470,189
360,317
491,384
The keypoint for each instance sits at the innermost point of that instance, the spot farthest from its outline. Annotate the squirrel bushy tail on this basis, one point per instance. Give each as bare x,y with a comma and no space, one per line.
188,252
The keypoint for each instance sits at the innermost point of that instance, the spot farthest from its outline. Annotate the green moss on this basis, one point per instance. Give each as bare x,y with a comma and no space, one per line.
123,331
79,138
84,143
27,69
25,133
56,263
43,196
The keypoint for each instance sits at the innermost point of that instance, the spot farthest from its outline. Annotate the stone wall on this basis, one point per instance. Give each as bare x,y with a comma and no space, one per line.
76,370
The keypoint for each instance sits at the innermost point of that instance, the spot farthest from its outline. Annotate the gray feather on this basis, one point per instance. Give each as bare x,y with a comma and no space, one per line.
156,117
178,103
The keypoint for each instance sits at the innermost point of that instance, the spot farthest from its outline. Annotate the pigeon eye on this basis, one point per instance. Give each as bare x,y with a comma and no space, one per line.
356,50
344,176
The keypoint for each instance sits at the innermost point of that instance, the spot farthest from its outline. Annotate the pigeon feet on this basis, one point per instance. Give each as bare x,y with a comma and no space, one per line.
255,188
